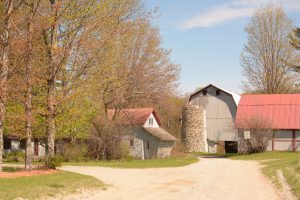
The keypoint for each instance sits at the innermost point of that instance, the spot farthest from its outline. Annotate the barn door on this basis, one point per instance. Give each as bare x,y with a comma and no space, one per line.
146,144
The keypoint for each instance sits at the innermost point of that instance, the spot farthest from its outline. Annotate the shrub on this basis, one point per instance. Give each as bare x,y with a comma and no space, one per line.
54,161
105,141
14,156
259,137
74,151
178,150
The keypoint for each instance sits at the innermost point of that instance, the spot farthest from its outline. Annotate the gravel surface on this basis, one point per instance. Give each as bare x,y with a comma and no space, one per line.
211,178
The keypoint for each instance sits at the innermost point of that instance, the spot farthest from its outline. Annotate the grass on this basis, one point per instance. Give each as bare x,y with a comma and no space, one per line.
35,187
151,163
224,155
288,162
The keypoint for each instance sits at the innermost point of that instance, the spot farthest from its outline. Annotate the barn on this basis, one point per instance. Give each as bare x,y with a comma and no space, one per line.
281,114
217,119
144,134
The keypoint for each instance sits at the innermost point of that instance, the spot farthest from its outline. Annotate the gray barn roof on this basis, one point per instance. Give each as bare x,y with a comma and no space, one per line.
235,96
160,133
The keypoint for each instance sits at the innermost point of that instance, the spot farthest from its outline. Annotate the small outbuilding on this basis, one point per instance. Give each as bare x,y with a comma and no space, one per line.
145,138
12,143
279,112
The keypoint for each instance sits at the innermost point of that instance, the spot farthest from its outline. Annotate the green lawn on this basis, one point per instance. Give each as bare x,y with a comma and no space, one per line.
288,162
35,187
151,163
223,155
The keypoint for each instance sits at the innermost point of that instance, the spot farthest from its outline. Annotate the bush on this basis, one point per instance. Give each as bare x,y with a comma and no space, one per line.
259,137
178,150
124,152
74,152
54,161
105,141
14,156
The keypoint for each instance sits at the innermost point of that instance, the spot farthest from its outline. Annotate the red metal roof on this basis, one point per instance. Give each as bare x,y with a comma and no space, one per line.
134,116
280,111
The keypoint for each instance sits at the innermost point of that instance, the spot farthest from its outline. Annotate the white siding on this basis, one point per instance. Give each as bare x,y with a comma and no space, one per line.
15,145
42,150
136,151
154,125
269,147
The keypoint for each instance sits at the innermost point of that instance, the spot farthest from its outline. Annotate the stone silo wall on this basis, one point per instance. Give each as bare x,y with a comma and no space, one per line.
193,128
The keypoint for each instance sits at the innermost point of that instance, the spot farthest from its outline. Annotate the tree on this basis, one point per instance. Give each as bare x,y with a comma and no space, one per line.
33,7
105,140
267,51
7,8
76,58
295,42
135,70
258,138
65,26
295,38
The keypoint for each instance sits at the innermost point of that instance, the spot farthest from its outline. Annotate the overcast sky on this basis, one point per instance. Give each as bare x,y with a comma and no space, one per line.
207,37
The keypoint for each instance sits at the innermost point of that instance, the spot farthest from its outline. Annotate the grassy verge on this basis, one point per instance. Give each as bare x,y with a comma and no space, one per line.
35,187
223,155
288,162
151,163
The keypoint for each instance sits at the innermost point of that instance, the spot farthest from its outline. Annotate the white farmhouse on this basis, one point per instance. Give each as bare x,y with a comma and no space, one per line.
146,138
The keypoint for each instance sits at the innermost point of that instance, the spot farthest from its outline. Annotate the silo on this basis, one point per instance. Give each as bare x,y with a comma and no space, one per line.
192,130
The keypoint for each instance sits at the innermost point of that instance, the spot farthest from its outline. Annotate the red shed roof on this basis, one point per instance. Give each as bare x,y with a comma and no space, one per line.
280,111
134,116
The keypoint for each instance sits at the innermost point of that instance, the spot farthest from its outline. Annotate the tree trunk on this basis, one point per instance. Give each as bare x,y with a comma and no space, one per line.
4,62
51,129
28,101
51,118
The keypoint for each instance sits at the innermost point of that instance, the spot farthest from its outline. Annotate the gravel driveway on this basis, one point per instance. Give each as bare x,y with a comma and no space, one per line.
211,178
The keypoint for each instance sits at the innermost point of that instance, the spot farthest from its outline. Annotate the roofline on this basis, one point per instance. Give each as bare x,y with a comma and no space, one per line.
156,117
270,128
196,92
152,112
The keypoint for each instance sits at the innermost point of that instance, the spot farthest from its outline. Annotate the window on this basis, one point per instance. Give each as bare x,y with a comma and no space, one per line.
218,92
7,143
150,121
247,135
131,142
204,92
22,144
148,145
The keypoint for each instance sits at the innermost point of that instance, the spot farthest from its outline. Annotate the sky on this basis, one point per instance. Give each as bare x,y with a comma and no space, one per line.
207,37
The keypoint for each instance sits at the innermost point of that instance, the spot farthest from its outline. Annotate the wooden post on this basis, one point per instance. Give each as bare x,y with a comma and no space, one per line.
293,140
273,142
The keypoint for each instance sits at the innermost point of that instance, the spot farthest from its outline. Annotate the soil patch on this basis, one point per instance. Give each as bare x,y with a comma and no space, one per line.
23,173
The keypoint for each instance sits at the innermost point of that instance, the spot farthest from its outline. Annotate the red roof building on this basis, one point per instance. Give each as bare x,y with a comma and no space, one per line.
144,136
280,112
134,116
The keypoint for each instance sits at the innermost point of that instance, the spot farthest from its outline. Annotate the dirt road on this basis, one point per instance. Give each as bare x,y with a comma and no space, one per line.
211,178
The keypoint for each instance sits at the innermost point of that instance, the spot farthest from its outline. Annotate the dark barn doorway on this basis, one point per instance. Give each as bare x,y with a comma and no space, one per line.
231,147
